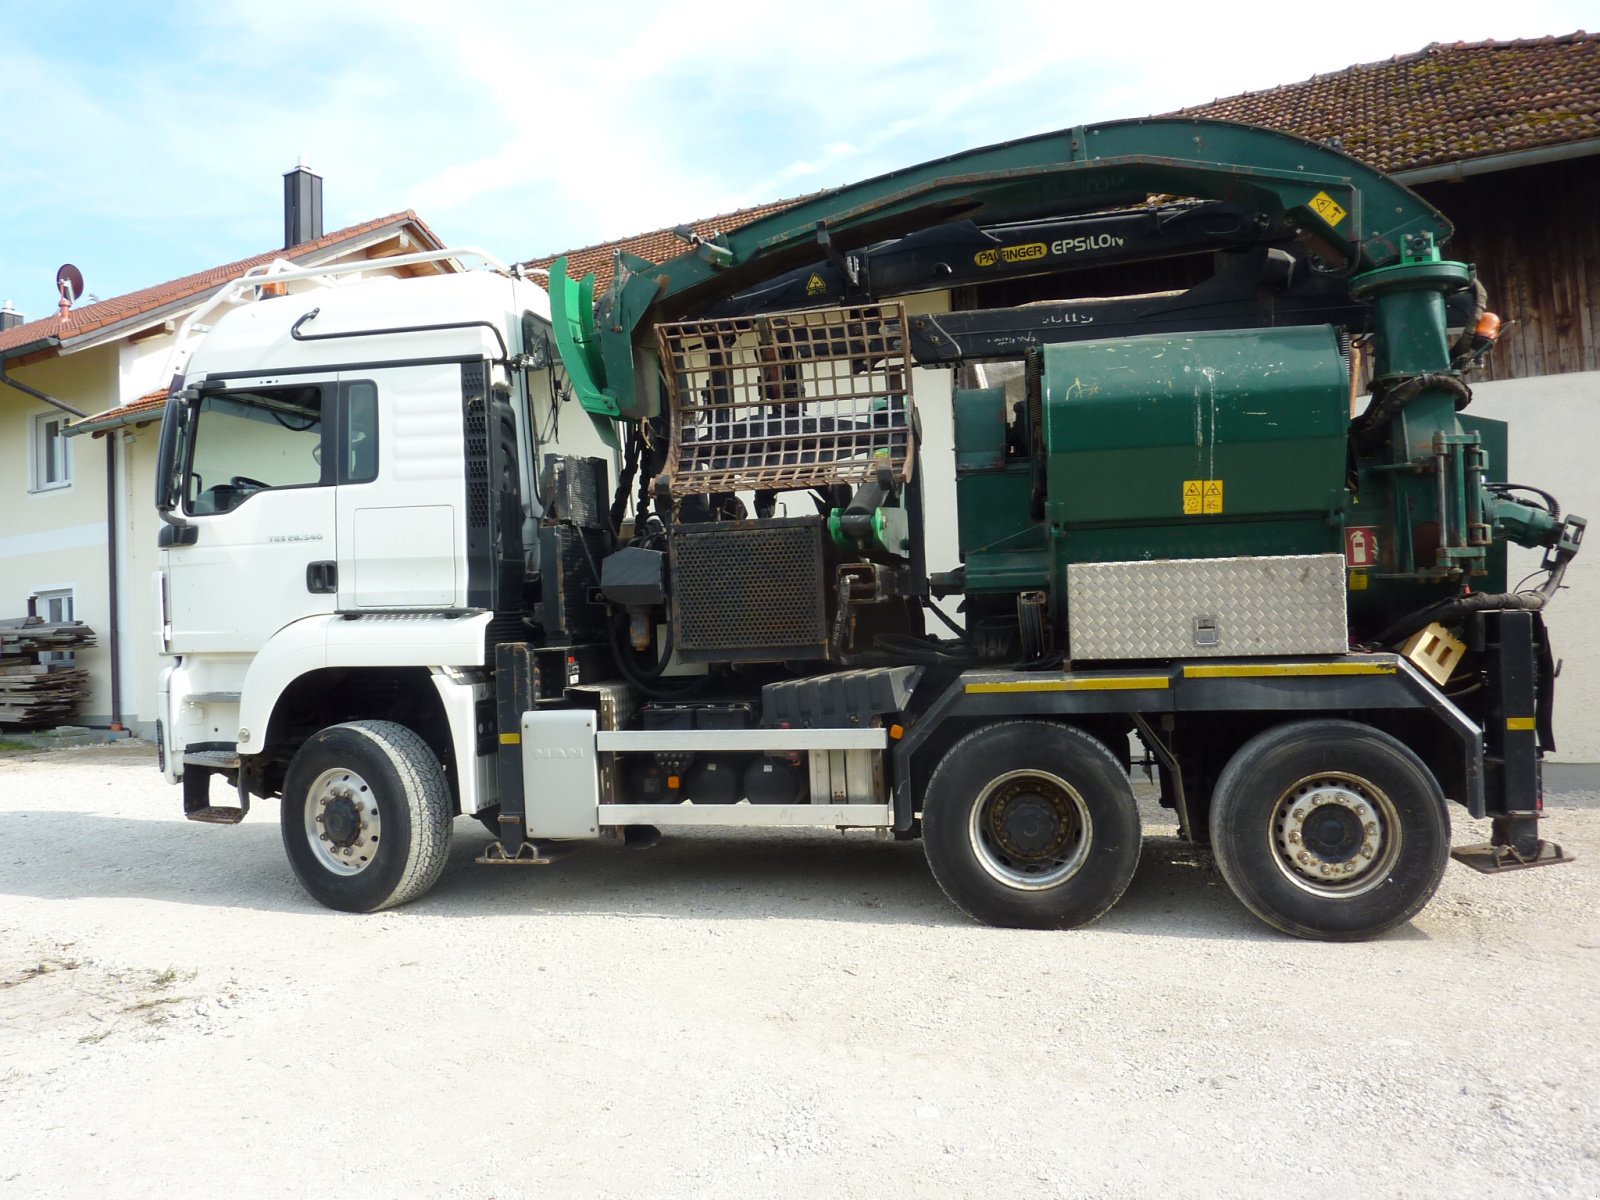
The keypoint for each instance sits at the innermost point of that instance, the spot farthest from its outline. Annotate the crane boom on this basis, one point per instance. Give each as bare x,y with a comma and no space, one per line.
1359,215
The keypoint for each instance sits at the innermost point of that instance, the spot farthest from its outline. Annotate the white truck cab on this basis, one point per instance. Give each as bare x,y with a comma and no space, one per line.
341,487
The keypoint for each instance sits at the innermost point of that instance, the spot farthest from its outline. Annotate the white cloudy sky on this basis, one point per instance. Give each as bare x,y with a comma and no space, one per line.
143,142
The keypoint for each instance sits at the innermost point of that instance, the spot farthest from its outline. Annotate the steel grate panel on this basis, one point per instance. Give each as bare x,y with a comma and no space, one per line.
790,400
749,591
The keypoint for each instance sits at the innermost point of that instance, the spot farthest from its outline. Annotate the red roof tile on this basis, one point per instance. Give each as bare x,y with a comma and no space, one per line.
101,315
657,245
136,412
1446,102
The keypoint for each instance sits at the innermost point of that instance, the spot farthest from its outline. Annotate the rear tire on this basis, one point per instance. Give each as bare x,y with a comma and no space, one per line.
366,816
1031,825
1330,830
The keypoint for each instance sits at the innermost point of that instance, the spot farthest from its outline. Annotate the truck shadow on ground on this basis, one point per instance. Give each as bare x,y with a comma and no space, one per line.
701,875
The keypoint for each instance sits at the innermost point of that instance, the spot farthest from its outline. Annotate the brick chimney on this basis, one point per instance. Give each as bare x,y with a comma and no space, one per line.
10,318
302,206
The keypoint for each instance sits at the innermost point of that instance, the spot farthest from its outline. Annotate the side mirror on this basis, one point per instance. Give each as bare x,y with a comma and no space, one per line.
173,453
535,342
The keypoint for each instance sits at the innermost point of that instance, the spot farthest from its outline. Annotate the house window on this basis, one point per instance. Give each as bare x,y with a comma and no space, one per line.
52,456
55,606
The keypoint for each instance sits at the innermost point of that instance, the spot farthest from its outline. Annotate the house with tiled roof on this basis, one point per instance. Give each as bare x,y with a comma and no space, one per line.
1504,137
81,398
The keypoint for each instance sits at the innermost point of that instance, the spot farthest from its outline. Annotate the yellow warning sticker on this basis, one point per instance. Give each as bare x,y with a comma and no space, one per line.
1201,496
815,285
1329,209
1358,581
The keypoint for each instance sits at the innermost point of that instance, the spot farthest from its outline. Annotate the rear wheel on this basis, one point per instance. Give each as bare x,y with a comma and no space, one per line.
1329,829
1032,825
366,816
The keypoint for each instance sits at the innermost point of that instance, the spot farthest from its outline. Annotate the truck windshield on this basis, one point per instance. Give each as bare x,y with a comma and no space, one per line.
246,442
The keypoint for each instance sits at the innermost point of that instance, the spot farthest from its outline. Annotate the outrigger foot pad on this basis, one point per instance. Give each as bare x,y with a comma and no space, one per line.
527,855
1492,859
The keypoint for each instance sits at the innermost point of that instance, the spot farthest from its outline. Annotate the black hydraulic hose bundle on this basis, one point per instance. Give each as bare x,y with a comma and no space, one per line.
1551,504
1464,350
1392,400
1453,608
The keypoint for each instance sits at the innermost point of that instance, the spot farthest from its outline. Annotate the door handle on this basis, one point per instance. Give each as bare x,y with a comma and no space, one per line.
322,578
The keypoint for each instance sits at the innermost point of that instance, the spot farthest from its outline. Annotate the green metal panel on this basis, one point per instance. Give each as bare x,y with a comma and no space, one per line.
1495,436
1196,445
980,428
1002,548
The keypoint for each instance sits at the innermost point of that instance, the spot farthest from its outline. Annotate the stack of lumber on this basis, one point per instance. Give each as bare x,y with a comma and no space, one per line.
34,695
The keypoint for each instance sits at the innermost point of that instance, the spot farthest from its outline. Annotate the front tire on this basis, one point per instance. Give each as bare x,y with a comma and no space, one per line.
1031,825
366,816
1330,830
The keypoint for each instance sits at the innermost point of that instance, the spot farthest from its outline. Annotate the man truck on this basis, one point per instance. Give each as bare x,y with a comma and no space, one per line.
592,567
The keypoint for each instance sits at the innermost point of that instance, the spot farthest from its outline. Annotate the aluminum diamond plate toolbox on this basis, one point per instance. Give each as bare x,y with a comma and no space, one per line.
1207,607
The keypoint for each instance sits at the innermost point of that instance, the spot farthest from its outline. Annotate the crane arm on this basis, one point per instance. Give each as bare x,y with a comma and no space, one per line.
1358,214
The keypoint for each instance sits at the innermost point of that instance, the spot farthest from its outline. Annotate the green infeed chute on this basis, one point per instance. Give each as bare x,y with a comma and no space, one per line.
572,317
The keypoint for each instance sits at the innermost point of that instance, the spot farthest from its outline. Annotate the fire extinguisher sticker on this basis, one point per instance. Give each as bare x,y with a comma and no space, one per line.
1361,546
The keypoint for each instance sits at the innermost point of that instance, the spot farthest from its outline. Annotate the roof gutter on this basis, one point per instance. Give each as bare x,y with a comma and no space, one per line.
38,395
104,424
1446,172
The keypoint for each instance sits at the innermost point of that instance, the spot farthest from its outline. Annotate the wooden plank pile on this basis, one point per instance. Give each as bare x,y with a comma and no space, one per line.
36,695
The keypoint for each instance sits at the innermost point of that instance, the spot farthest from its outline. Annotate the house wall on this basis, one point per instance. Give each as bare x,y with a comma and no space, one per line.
1555,428
56,539
931,389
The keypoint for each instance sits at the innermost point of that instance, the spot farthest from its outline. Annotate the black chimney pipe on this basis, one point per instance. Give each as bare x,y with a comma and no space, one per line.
302,206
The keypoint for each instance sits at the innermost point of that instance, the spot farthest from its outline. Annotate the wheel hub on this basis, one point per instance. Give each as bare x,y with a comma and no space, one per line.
1030,830
342,822
1329,831
1030,825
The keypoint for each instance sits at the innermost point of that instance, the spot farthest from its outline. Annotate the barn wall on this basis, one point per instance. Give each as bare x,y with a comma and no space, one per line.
1534,234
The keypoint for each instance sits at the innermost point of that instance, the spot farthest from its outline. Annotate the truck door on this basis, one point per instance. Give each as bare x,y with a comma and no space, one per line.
401,490
258,492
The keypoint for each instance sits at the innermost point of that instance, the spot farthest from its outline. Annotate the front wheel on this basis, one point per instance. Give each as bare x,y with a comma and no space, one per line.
1329,829
1032,825
366,816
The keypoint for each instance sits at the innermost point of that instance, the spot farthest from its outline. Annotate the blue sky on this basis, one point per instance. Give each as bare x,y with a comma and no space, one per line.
145,142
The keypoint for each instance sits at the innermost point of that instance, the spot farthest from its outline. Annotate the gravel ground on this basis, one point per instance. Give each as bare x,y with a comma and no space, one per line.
757,1015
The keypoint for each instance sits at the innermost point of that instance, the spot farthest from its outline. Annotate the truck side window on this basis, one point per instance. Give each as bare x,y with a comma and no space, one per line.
248,441
360,457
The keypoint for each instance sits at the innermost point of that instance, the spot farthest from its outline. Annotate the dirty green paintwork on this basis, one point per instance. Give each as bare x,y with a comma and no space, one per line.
1196,445
1002,548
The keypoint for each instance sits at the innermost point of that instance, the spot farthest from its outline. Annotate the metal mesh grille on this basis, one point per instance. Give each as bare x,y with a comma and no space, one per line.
749,591
475,429
794,400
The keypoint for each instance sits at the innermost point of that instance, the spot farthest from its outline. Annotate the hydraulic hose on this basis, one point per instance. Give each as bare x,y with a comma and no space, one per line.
1455,607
